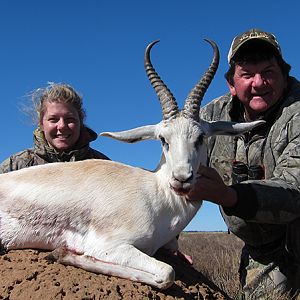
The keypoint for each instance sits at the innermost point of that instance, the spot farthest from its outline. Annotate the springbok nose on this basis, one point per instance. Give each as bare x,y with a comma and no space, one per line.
182,176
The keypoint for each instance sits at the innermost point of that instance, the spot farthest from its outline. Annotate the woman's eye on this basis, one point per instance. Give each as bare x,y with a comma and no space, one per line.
70,120
52,120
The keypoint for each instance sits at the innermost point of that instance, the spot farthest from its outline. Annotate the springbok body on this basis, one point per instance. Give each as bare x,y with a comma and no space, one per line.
108,217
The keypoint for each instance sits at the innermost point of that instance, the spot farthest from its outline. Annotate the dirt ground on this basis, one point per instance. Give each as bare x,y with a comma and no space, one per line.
26,274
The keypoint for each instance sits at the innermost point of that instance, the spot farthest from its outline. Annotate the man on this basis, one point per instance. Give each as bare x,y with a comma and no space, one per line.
255,178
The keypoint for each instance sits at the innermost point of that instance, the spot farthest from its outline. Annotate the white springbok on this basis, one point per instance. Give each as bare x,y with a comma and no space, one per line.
110,218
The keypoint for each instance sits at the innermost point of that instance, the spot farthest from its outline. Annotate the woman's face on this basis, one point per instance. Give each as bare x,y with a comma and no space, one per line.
61,125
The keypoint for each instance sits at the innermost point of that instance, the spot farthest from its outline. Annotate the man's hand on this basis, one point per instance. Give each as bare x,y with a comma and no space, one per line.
184,257
210,186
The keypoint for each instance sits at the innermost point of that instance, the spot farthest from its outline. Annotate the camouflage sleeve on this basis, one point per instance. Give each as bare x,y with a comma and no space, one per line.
17,161
277,197
213,110
98,155
6,166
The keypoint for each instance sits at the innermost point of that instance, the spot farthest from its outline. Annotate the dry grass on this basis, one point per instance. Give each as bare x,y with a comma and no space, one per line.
216,255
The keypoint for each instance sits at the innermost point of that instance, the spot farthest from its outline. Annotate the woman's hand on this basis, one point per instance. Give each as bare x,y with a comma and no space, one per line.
210,186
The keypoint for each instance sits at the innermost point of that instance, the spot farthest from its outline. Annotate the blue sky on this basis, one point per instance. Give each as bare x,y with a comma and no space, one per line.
98,46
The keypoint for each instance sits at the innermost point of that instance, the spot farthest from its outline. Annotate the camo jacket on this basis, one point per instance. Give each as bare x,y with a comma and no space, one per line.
266,209
42,153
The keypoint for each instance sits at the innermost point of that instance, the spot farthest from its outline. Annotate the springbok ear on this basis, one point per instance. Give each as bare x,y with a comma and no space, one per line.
228,128
133,135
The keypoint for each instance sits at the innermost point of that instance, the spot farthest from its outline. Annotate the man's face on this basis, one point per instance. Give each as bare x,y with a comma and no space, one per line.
258,86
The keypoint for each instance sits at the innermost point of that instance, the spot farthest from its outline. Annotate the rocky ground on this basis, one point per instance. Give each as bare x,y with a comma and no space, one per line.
26,274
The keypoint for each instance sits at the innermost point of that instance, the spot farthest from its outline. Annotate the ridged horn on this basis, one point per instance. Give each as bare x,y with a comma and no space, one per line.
193,101
166,98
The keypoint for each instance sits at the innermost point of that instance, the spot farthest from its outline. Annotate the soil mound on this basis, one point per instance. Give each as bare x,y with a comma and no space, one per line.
27,274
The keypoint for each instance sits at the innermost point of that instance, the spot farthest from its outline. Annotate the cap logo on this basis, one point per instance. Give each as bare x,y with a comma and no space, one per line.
255,34
249,35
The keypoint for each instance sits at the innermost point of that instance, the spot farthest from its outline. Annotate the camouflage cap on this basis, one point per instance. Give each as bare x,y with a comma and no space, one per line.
251,35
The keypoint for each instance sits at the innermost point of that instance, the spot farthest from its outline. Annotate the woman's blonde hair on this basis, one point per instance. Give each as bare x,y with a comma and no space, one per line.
56,92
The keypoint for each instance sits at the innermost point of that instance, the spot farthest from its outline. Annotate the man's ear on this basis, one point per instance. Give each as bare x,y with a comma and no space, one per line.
231,89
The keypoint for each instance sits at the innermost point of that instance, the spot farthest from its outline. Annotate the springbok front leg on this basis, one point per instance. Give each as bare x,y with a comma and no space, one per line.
124,261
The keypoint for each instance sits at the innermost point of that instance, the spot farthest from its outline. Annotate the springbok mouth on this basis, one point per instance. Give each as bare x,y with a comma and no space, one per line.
180,191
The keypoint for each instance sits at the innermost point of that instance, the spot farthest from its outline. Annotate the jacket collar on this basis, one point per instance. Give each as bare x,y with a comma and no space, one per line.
48,153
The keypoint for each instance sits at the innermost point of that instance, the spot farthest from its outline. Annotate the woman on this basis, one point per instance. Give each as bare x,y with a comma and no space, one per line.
61,135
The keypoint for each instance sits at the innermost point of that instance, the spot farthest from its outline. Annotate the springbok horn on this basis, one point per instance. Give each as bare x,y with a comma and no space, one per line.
192,103
166,98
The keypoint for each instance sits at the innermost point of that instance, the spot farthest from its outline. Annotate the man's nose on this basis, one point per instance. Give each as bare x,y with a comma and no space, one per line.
258,80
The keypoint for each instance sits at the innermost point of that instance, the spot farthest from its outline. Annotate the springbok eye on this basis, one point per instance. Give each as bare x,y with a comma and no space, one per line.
199,141
164,143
